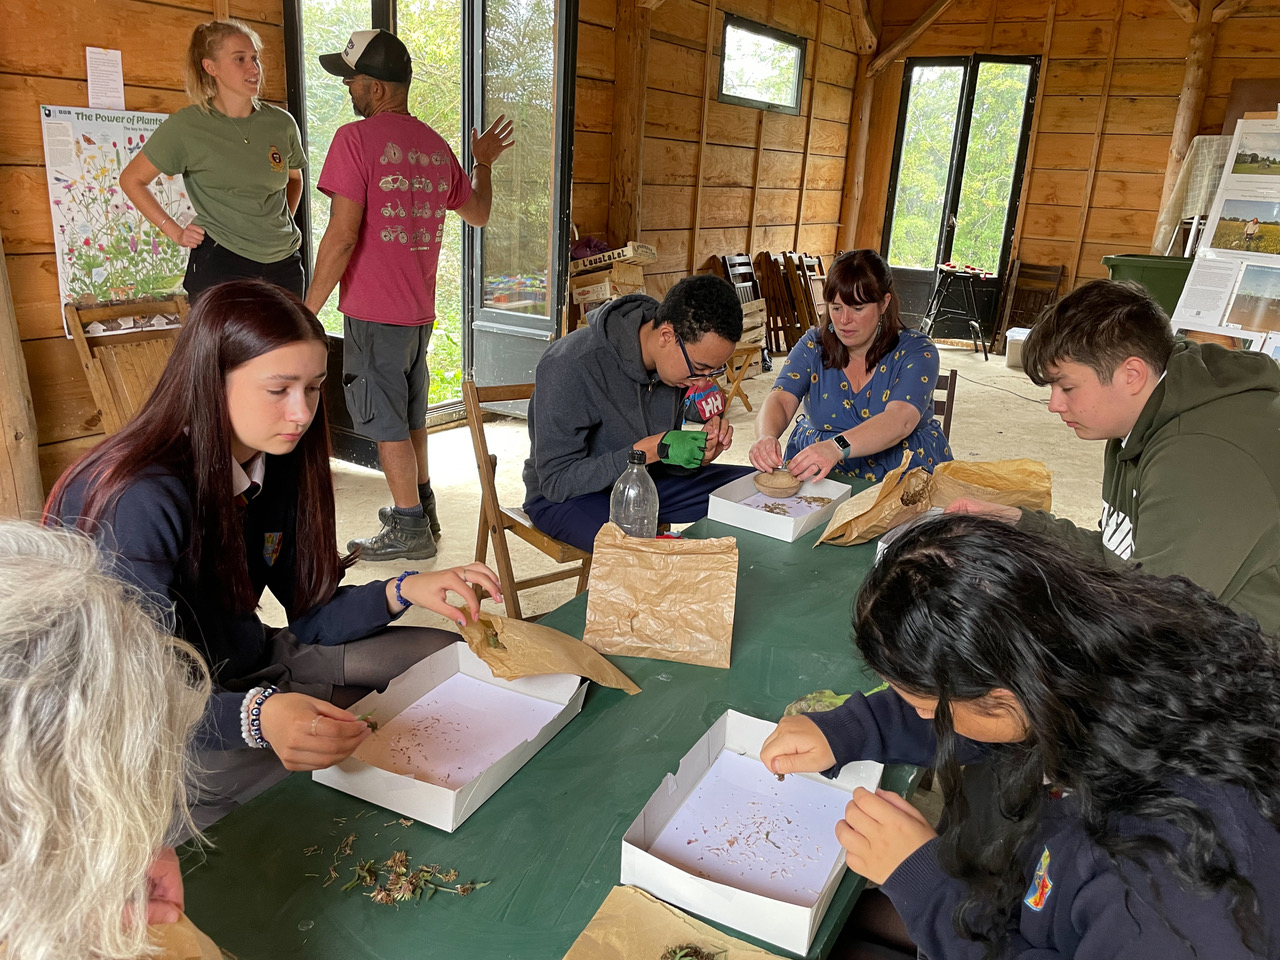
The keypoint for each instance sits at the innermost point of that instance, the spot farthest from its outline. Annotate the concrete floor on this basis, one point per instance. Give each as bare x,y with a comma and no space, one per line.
999,414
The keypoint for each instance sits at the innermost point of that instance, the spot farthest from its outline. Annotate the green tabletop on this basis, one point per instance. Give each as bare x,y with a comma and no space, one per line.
550,838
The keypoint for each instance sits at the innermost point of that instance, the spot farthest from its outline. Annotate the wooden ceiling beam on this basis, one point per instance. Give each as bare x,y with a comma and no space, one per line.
1186,9
1227,8
864,31
899,46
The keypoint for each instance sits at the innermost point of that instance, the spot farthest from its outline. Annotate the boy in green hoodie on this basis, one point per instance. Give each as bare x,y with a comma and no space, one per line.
1191,476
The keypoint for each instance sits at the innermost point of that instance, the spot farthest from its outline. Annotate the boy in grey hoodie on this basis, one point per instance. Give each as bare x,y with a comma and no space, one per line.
1191,476
619,384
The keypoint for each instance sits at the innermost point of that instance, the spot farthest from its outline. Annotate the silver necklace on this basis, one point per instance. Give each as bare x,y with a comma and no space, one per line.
237,126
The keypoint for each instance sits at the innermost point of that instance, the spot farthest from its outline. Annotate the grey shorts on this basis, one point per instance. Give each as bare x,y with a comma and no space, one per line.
384,377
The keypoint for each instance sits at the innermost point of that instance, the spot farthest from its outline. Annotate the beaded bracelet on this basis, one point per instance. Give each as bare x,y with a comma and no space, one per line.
251,716
404,604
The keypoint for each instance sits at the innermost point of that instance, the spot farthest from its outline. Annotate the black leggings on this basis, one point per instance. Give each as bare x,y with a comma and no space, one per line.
211,263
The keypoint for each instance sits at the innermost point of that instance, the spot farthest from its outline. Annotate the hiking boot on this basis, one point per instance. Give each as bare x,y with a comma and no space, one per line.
428,507
401,538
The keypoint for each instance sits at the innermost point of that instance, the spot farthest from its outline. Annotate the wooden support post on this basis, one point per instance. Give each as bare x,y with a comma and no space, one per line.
1185,9
755,184
1226,8
855,160
1073,265
899,46
864,29
1195,82
708,78
630,59
808,127
221,9
21,493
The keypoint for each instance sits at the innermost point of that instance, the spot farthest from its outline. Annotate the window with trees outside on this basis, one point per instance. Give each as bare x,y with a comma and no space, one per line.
761,67
962,140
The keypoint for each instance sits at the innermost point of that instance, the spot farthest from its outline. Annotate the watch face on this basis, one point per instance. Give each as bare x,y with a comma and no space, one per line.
841,442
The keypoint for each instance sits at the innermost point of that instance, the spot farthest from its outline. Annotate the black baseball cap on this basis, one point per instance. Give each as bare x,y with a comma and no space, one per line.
375,53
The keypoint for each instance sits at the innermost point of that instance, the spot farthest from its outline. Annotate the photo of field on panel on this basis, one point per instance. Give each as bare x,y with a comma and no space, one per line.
744,828
456,731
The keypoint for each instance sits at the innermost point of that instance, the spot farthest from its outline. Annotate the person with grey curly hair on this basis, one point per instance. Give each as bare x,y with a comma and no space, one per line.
97,703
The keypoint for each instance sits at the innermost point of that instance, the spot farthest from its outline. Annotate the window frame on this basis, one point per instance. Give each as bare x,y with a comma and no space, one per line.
801,44
960,147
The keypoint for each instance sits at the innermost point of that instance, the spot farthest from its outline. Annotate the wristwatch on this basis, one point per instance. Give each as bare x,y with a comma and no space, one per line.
843,444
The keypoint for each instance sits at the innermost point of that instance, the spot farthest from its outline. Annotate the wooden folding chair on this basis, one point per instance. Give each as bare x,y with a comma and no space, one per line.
805,278
1031,287
123,367
737,269
496,520
783,329
736,372
944,405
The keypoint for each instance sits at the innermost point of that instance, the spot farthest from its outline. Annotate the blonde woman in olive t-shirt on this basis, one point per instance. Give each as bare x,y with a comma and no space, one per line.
241,161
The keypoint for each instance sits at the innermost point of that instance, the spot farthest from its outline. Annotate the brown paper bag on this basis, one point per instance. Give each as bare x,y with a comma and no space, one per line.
515,648
632,925
665,599
182,940
905,494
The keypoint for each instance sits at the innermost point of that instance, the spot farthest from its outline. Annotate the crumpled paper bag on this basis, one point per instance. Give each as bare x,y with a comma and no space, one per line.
632,925
182,940
664,599
516,648
1011,483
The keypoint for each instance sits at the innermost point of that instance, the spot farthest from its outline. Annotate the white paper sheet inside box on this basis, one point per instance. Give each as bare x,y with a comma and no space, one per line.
776,909
726,506
554,699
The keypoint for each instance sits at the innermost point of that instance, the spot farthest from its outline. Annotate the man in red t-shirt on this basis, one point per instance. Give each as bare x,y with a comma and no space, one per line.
391,178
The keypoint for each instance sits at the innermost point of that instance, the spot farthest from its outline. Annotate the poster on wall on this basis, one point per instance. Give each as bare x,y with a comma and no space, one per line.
1235,280
107,251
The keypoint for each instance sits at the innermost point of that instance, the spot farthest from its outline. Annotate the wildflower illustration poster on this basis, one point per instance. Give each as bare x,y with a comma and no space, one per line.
106,249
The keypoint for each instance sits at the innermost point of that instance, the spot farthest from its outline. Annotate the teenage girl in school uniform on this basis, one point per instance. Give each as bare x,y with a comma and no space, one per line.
1122,727
220,488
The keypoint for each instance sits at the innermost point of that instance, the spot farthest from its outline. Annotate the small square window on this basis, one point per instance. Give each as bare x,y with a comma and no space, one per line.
760,66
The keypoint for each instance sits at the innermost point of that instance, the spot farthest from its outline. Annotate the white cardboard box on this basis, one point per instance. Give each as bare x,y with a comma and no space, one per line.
1014,338
447,806
776,910
726,506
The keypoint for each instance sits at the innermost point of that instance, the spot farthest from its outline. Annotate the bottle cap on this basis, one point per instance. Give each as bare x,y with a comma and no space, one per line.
635,456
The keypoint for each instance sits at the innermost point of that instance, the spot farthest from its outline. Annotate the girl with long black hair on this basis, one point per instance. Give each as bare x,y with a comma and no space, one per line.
220,488
1124,728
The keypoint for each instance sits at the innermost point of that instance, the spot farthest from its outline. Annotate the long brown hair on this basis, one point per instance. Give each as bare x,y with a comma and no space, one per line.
184,427
858,277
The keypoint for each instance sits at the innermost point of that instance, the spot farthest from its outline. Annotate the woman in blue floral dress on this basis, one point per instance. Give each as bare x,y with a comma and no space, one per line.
866,382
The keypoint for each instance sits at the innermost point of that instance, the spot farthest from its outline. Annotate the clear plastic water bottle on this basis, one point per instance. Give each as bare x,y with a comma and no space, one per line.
633,505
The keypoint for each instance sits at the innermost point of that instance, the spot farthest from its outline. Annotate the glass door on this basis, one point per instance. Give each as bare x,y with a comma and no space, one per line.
516,265
958,160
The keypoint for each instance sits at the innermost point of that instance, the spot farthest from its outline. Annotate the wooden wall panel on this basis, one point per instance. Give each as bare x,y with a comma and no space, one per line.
42,61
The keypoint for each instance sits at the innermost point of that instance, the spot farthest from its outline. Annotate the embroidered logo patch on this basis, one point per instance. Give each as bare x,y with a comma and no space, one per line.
271,547
277,160
1038,892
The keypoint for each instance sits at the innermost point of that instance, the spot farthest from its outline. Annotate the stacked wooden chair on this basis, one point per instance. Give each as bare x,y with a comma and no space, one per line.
737,269
1030,288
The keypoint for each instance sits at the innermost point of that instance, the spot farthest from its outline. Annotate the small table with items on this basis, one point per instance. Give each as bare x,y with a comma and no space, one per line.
550,838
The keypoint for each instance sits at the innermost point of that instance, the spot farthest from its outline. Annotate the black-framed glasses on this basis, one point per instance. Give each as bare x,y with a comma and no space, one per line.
693,374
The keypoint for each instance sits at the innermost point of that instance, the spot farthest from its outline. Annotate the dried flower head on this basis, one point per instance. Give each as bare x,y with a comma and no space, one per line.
381,895
399,862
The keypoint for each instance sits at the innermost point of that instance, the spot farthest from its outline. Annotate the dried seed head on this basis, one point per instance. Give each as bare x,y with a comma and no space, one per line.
399,862
381,895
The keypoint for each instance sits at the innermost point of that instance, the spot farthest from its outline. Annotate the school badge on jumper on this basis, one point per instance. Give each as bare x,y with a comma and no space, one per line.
1038,892
271,547
277,159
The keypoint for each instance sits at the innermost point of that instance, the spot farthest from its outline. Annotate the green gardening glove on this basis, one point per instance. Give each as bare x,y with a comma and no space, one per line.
683,448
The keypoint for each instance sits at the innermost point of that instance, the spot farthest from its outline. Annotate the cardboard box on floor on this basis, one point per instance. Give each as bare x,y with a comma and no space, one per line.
441,806
789,925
